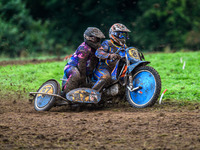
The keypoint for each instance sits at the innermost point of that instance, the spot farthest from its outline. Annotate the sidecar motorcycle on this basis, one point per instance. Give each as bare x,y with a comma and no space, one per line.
142,85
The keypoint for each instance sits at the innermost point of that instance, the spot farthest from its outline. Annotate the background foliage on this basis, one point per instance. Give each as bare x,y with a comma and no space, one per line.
56,26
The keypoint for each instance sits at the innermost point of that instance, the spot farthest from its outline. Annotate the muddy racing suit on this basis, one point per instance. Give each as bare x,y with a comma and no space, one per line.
105,66
80,65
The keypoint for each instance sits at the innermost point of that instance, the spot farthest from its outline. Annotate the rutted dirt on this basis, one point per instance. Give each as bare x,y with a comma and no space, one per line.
172,125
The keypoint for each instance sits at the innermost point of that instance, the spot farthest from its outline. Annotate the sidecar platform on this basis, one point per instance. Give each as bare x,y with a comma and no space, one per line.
84,95
49,95
58,96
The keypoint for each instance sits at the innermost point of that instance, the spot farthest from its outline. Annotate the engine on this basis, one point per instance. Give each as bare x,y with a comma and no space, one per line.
113,90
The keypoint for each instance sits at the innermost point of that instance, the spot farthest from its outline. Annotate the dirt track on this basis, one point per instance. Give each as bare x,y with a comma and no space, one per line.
166,126
172,125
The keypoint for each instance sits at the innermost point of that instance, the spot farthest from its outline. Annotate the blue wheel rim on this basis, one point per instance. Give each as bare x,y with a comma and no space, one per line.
43,100
146,80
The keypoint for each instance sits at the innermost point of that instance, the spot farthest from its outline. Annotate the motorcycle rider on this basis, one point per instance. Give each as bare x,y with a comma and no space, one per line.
83,61
118,34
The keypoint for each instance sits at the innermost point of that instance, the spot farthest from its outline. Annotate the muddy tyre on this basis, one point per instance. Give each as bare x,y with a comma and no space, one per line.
149,79
46,102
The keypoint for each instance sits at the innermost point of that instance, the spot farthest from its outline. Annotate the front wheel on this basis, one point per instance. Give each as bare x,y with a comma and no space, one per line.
149,80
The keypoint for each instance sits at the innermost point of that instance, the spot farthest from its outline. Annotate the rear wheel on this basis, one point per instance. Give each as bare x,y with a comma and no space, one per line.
46,102
149,80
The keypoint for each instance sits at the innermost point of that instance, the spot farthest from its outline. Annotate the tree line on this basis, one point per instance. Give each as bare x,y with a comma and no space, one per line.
56,26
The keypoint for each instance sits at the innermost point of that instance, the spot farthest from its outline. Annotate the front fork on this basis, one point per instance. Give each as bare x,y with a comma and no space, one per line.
130,87
130,78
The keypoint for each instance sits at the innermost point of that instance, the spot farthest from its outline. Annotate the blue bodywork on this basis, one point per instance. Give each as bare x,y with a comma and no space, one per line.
114,72
132,66
134,63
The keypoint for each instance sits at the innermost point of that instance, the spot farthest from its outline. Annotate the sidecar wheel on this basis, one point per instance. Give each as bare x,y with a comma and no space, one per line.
149,79
46,102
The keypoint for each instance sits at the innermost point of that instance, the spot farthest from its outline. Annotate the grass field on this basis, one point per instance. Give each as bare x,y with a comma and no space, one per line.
181,84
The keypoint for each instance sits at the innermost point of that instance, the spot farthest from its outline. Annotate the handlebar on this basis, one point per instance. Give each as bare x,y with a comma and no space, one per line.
120,49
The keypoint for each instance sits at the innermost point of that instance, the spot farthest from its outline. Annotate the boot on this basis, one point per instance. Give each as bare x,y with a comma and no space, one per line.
99,85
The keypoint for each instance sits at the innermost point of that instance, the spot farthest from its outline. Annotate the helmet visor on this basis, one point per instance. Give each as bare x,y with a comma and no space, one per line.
96,40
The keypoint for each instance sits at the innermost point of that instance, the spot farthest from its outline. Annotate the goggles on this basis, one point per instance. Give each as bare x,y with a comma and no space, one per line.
121,35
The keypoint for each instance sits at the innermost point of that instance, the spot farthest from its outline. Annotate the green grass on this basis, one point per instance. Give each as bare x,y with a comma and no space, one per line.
25,78
180,84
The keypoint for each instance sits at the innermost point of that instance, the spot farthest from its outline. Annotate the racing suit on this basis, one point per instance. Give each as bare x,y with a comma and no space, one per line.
80,65
105,66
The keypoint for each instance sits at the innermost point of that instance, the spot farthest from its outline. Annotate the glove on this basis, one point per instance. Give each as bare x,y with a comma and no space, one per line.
114,56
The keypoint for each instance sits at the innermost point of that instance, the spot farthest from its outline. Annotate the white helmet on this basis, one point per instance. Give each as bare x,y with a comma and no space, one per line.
119,33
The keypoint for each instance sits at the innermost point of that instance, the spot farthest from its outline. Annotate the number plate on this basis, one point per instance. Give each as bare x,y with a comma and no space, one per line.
133,53
46,89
